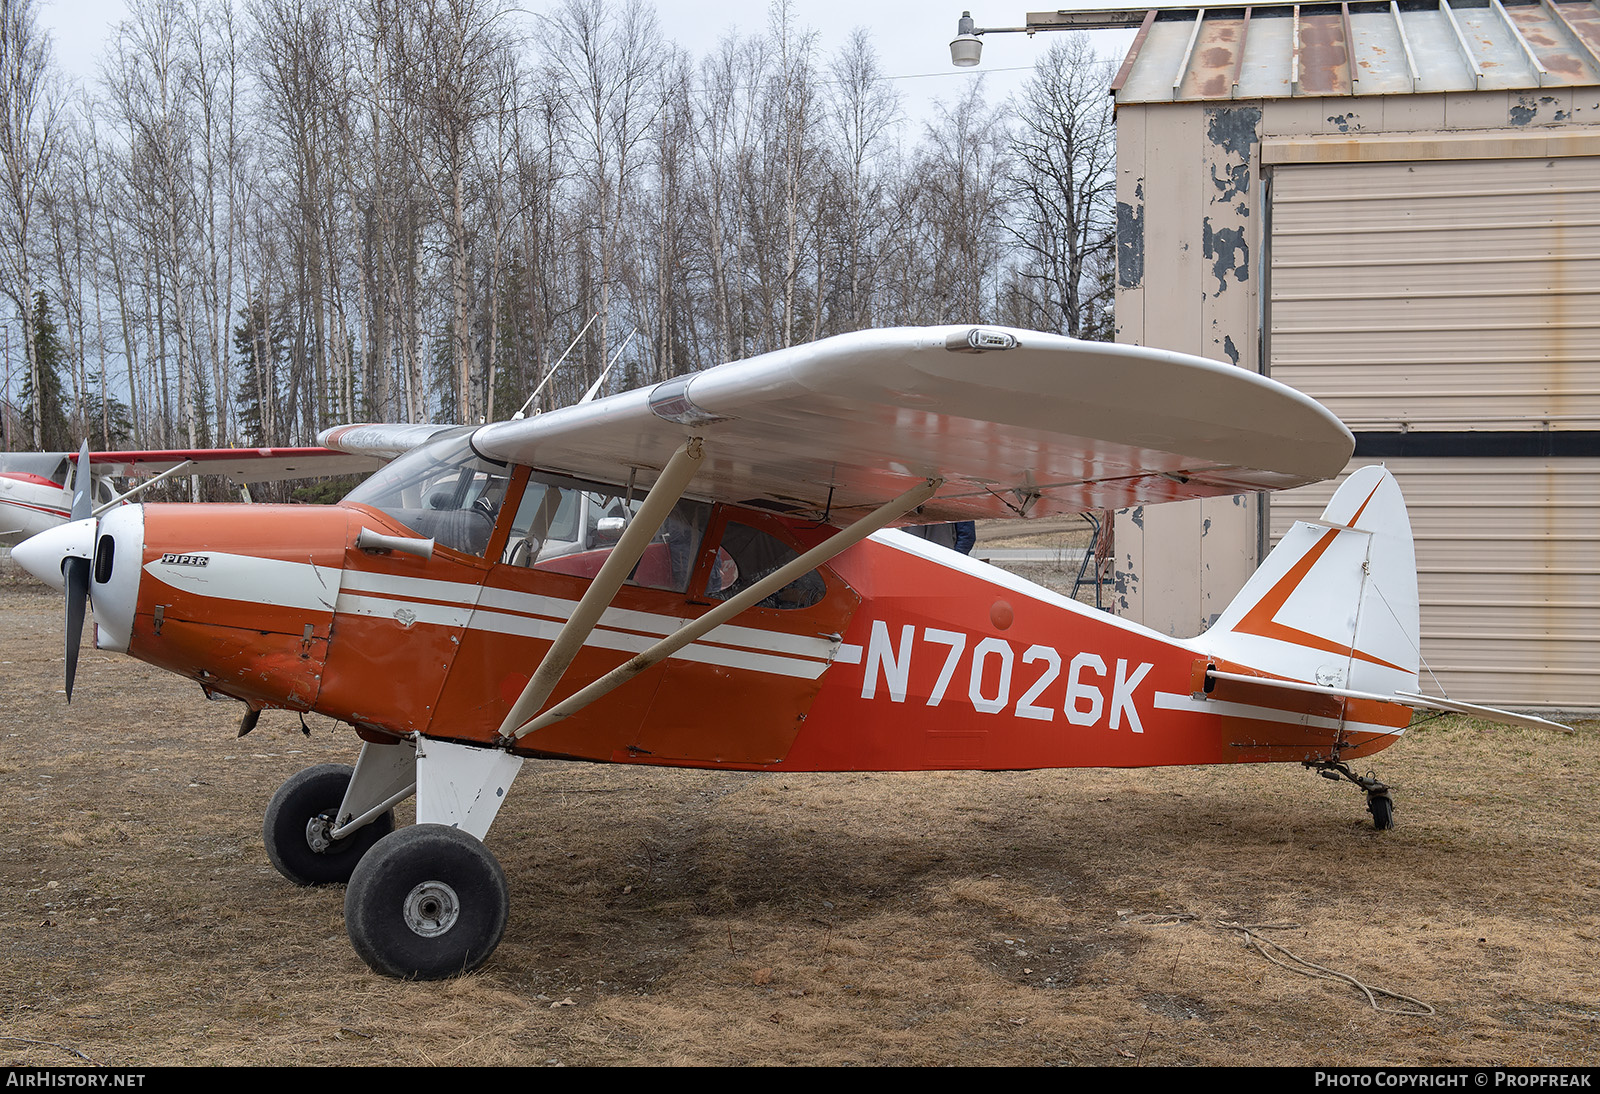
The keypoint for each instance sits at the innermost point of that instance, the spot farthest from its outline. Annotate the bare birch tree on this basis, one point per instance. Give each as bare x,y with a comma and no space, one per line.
959,194
30,131
1062,188
863,115
610,61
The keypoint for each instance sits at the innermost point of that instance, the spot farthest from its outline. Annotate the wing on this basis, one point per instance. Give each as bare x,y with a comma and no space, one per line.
239,464
1017,424
385,441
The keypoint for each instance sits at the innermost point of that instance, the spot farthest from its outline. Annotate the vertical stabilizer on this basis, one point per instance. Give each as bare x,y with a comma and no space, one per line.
1335,603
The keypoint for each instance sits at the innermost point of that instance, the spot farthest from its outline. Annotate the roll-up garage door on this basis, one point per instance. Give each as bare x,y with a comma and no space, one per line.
1449,311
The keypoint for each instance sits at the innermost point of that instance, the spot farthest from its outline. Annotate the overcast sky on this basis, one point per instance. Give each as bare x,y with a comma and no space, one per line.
912,37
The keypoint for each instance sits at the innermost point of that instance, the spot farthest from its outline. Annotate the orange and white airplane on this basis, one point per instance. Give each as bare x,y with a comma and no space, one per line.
36,488
704,574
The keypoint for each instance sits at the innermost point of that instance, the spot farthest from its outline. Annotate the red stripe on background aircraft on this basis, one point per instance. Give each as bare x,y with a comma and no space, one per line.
704,573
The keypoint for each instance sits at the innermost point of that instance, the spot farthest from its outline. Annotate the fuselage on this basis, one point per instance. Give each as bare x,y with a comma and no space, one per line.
29,504
898,655
36,493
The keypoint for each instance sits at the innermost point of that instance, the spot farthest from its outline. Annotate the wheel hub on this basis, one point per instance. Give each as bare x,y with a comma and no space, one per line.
431,909
318,833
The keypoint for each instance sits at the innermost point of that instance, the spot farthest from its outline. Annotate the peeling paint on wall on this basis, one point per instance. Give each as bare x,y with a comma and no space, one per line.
1236,184
1125,583
1525,111
1130,240
1229,254
1233,132
1233,128
1231,350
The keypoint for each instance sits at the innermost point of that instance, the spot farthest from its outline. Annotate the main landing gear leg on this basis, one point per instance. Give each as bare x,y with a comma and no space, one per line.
1380,803
431,901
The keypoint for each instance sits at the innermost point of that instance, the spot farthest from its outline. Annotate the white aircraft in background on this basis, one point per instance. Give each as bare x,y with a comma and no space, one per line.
36,488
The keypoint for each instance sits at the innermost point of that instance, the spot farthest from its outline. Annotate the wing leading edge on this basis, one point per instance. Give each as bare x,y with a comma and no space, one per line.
1017,423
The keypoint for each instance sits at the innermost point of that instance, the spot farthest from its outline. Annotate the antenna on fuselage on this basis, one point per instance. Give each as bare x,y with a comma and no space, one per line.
523,413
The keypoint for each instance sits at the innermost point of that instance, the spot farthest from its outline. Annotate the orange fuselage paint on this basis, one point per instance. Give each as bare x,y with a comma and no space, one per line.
907,662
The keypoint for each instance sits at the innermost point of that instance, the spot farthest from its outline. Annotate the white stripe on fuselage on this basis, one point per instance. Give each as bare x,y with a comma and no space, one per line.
1168,700
415,600
532,615
249,580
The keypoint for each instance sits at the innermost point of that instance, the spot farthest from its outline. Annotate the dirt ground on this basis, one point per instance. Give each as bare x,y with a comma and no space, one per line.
660,917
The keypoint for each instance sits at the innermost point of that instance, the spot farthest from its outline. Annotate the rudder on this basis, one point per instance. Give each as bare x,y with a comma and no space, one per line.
1335,603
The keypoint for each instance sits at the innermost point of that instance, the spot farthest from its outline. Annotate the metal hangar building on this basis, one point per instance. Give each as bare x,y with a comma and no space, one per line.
1394,207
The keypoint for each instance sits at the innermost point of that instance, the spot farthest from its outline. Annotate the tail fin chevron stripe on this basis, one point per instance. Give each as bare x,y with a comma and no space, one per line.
1336,601
1260,619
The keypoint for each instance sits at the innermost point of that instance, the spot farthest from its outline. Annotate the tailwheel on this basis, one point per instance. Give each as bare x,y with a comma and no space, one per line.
427,902
1381,806
1379,801
298,823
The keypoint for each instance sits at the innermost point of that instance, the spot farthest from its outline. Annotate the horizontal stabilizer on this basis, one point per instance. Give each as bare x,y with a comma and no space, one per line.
1398,698
1308,689
1488,714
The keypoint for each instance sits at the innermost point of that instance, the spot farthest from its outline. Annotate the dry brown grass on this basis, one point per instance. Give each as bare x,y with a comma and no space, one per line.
1065,533
665,917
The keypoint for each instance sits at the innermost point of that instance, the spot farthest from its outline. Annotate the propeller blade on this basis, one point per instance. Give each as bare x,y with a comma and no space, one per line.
76,571
82,505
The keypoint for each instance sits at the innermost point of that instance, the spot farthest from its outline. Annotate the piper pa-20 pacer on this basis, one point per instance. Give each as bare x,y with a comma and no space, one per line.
703,573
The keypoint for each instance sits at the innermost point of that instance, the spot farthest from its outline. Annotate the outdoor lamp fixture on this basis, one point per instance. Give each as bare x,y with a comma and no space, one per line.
966,48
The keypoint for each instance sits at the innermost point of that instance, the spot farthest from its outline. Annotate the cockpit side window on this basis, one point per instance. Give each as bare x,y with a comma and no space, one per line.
570,527
443,490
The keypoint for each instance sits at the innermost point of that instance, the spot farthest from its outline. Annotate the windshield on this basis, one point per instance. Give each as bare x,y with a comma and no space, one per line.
444,491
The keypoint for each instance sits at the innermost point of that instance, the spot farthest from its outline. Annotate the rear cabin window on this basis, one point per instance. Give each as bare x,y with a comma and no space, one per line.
746,555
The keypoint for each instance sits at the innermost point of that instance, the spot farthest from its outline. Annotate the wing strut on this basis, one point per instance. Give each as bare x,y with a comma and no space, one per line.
668,488
143,486
879,518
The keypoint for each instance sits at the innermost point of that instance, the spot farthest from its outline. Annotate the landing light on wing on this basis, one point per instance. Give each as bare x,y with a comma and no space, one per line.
979,340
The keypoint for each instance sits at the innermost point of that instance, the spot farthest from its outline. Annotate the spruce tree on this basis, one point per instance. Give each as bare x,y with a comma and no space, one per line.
54,435
257,357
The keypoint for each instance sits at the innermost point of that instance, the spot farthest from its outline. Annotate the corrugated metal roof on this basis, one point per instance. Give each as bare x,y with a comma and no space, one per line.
1366,47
